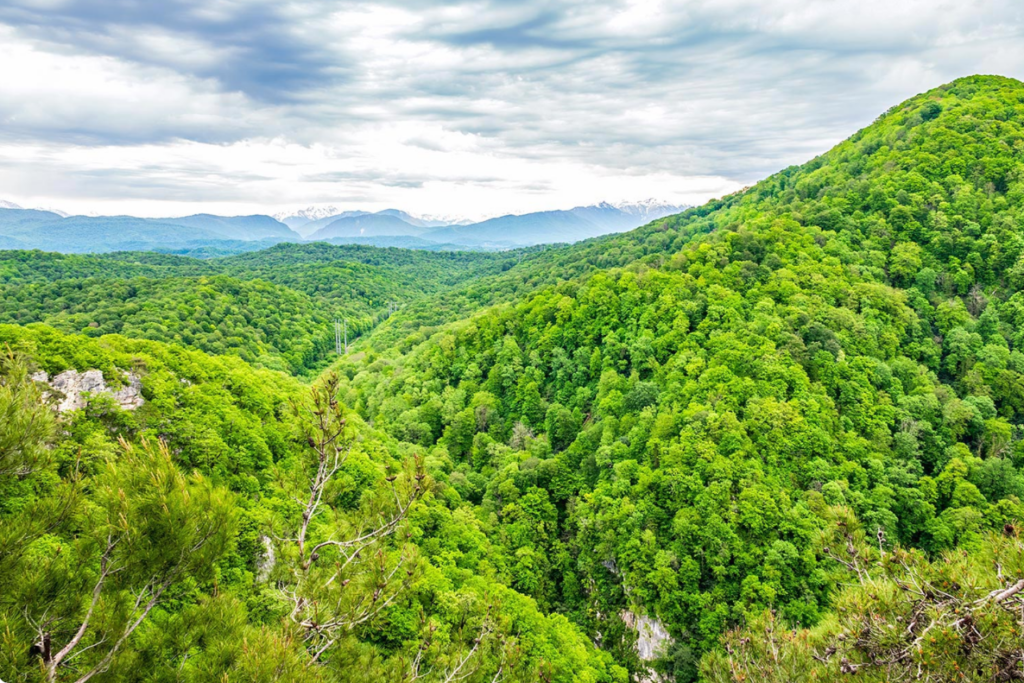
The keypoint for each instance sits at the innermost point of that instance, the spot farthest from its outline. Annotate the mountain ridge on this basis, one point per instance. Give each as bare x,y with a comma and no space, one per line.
540,227
50,230
367,225
710,392
33,228
252,227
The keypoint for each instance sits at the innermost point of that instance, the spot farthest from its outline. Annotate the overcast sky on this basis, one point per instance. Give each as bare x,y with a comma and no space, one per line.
167,107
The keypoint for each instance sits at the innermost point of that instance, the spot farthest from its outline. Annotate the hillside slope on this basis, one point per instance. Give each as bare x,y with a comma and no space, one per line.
177,499
669,438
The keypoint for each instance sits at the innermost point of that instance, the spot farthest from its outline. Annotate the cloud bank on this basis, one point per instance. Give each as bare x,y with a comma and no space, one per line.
478,108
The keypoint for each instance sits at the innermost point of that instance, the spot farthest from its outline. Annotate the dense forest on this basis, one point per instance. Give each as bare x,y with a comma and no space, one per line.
783,431
274,308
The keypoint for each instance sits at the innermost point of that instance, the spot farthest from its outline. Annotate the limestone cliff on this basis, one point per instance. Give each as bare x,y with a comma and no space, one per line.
72,385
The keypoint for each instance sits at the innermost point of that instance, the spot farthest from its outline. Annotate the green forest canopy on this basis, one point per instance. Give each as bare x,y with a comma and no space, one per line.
782,410
274,308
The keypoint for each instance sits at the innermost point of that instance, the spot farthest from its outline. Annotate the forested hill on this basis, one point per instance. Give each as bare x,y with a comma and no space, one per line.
674,436
785,429
274,307
904,150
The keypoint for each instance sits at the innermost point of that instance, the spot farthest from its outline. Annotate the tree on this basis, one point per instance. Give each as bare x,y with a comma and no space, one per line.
146,527
340,572
904,262
26,423
958,617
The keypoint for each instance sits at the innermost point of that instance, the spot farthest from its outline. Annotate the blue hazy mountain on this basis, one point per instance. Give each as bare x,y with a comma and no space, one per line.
311,227
246,228
11,218
37,229
308,221
544,227
541,227
413,220
367,225
295,222
12,243
32,229
105,233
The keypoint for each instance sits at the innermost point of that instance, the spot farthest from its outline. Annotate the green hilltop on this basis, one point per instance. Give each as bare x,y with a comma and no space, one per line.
784,427
844,333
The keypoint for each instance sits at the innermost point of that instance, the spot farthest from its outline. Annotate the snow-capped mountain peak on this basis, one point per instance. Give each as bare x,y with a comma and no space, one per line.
8,205
445,219
309,220
650,208
313,213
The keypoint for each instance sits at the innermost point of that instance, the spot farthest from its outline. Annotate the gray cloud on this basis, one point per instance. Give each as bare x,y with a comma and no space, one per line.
257,48
171,184
727,88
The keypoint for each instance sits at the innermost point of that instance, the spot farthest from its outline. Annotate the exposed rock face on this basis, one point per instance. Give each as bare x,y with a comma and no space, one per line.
73,384
652,640
265,564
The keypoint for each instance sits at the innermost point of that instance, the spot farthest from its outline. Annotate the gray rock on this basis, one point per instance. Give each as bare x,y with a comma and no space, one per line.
265,564
73,384
652,640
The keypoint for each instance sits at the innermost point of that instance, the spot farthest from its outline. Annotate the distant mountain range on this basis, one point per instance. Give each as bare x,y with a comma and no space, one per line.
307,221
296,220
53,231
368,225
542,227
34,229
330,223
238,227
11,205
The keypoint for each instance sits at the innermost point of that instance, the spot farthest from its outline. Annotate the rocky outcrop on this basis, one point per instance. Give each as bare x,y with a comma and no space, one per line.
72,385
265,563
652,640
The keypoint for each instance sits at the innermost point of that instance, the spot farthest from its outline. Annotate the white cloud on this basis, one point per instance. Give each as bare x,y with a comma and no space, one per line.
479,107
50,94
274,175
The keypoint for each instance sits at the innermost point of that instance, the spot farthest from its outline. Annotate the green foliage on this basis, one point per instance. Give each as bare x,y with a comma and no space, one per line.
957,617
165,513
143,530
274,308
841,333
668,422
26,424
